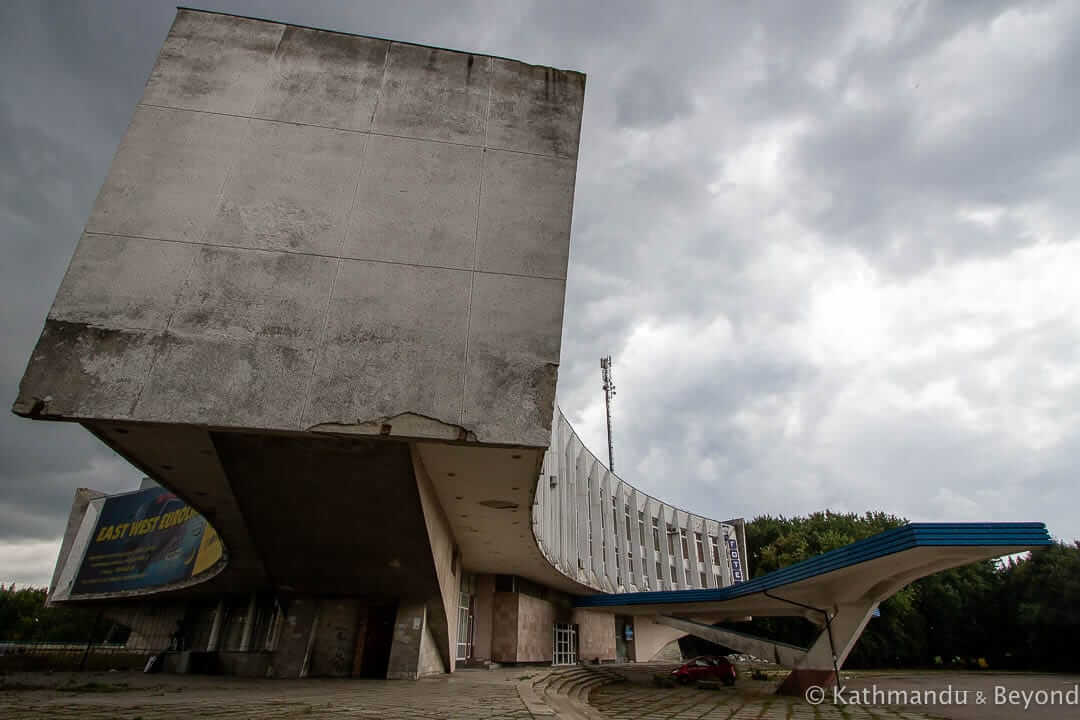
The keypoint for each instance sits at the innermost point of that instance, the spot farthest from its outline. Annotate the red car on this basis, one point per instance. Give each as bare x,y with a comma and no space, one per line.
706,667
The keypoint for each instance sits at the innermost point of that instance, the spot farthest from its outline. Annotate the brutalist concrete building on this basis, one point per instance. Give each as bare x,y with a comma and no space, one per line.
319,301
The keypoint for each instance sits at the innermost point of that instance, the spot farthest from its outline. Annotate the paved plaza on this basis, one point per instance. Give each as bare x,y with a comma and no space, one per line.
640,699
98,696
480,695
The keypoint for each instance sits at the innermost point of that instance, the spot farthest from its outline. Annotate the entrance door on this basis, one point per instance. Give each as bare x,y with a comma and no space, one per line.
624,638
378,637
465,627
565,644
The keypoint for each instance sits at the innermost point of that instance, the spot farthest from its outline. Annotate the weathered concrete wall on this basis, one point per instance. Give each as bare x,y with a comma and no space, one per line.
596,635
335,639
323,231
536,620
504,627
483,613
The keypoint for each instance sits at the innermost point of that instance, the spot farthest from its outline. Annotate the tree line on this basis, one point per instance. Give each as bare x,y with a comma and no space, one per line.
1012,613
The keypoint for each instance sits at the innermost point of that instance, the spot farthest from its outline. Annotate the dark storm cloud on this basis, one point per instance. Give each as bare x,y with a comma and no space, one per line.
830,245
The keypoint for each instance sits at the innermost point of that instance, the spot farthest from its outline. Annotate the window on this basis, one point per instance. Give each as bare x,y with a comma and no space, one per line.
629,531
614,514
704,582
659,572
700,547
715,549
674,581
641,526
670,539
630,562
685,547
656,534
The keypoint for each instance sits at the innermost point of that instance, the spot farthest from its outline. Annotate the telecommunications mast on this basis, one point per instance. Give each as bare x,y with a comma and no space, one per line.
609,392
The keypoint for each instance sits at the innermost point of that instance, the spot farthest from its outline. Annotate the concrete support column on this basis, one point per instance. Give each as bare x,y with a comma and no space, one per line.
412,651
249,625
818,666
305,667
779,653
215,627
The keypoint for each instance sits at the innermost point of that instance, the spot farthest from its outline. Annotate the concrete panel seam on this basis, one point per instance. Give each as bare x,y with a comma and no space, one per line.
557,156
191,269
269,76
472,277
309,253
378,93
333,284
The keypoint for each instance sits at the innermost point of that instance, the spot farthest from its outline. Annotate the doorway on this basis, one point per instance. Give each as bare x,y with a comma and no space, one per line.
565,644
374,641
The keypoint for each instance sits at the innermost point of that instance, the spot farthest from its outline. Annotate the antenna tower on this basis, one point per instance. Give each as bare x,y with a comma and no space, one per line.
609,392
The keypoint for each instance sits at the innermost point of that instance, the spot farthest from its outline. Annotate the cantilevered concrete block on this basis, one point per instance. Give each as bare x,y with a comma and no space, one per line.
304,229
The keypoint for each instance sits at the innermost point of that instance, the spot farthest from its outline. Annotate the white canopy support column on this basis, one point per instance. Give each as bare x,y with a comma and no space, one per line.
778,652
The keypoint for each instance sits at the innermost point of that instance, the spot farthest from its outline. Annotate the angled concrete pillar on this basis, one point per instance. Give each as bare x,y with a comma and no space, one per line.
215,627
779,653
249,625
830,649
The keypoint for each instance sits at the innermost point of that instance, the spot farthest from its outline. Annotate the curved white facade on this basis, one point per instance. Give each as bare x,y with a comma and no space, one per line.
603,532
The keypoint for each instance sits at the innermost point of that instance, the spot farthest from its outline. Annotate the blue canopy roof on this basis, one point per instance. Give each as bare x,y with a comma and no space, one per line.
907,537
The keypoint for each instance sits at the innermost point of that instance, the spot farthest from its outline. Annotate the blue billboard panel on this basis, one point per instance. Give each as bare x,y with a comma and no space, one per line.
144,540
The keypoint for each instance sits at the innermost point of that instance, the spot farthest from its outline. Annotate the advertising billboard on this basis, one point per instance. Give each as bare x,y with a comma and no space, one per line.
146,539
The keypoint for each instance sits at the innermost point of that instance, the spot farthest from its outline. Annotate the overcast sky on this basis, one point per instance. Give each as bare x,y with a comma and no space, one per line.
833,249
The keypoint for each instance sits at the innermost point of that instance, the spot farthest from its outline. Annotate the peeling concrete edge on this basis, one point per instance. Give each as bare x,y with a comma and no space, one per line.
409,424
